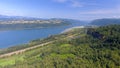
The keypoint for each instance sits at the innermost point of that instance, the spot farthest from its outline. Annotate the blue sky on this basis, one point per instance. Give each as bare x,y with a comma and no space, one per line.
75,9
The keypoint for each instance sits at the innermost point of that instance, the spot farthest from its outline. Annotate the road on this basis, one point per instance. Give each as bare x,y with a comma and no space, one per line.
29,48
23,50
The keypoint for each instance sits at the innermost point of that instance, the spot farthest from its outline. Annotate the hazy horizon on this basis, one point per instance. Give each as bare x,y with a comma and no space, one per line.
71,9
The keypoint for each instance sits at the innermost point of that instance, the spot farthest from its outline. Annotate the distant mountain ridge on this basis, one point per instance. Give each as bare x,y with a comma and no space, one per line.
19,22
105,21
5,17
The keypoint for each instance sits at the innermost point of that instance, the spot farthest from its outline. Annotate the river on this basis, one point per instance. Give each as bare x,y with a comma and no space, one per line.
16,37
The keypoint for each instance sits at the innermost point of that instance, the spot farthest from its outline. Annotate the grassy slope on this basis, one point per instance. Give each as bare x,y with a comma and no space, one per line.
74,49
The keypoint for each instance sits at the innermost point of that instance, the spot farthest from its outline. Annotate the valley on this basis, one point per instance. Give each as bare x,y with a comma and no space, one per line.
75,48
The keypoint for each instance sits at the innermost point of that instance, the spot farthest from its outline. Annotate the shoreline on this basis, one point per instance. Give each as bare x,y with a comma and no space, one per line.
67,30
37,28
29,28
21,29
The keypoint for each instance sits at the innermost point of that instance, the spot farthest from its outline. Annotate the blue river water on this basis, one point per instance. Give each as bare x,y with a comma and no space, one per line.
16,37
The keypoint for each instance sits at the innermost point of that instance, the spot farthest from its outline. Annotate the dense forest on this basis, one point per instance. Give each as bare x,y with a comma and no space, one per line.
78,48
105,21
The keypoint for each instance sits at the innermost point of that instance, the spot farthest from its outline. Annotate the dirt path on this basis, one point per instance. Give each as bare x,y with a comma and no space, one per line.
23,50
29,48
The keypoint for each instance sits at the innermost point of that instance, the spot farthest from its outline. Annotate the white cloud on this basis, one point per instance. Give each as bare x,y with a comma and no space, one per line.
109,11
76,3
72,3
60,1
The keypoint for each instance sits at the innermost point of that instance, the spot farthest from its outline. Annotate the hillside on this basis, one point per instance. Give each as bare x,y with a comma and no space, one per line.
78,48
27,24
103,22
19,22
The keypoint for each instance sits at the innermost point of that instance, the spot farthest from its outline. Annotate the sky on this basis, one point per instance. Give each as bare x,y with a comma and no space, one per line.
71,9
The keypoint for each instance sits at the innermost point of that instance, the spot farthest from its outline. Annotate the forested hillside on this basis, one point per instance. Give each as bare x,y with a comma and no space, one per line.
30,24
78,48
105,21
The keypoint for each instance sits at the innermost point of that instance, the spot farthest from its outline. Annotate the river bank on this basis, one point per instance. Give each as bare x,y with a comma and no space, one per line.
69,29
